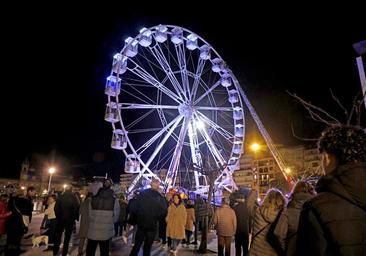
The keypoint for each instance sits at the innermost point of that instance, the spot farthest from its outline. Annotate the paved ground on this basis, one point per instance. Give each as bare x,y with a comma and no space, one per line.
118,246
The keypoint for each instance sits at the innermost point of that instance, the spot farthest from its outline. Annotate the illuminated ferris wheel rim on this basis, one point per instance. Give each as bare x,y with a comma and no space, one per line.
185,107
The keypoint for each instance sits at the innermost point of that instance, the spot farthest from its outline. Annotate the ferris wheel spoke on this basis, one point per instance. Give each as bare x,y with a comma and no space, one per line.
139,119
179,49
213,149
144,130
226,134
146,99
163,62
213,87
142,73
145,106
214,108
163,141
147,144
174,164
197,77
195,150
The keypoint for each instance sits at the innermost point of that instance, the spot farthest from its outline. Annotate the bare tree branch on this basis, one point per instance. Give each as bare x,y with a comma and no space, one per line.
299,138
354,106
312,111
339,103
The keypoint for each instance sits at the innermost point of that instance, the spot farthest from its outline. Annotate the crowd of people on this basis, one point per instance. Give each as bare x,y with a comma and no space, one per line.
329,219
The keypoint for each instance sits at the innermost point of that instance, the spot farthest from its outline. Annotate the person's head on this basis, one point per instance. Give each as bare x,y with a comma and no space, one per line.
108,183
240,198
303,187
198,196
51,199
275,199
31,191
177,199
341,144
155,184
4,198
225,201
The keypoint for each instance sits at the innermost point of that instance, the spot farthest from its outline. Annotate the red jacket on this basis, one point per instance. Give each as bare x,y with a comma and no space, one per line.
4,213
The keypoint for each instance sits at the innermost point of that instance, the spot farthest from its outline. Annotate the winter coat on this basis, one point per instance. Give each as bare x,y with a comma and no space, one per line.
123,210
149,208
18,206
103,213
176,221
287,225
263,218
200,208
67,208
191,218
242,218
224,220
50,211
334,222
4,214
84,217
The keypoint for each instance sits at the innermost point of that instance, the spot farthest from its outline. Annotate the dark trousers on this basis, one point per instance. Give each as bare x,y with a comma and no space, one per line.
241,244
223,242
162,231
51,232
146,237
198,225
188,236
92,247
60,228
118,228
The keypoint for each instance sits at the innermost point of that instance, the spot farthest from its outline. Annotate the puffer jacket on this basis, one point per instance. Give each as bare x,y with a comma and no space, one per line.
263,218
334,222
103,213
287,225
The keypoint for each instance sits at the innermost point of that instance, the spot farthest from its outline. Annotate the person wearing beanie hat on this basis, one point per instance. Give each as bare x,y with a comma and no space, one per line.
334,221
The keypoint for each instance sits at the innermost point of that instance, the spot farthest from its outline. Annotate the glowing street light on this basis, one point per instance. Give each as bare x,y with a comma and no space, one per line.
65,186
287,170
255,147
51,171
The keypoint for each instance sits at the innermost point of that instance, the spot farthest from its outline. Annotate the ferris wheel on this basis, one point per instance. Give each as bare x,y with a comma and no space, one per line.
175,110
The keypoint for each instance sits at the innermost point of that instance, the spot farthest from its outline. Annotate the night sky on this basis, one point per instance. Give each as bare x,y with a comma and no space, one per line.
56,62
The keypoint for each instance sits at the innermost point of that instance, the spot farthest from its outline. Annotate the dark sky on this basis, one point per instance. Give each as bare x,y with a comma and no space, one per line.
56,60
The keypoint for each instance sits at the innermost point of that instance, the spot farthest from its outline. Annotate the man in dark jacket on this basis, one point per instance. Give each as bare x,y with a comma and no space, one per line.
149,208
242,226
201,211
67,212
334,222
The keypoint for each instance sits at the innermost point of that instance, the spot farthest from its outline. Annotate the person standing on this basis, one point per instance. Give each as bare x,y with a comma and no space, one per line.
67,212
103,214
224,220
148,209
191,218
334,221
176,221
4,214
242,231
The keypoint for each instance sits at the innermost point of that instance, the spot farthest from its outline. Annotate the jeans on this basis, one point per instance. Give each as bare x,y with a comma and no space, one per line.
175,243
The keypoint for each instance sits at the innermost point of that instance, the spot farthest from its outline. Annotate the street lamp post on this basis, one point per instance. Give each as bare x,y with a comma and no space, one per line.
51,171
255,147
